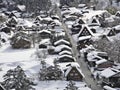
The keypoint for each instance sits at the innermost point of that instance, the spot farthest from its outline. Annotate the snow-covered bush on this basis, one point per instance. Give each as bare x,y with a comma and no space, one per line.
17,80
50,73
71,86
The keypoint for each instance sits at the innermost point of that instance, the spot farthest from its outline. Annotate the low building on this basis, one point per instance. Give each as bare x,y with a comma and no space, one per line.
74,73
111,76
103,64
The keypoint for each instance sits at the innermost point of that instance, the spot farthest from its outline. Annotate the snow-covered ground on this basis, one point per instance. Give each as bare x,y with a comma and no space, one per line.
11,58
58,85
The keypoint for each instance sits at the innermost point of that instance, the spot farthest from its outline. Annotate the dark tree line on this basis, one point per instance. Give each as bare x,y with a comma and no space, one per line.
34,5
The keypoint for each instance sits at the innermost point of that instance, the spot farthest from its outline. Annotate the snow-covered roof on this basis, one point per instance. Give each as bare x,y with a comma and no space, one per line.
74,9
65,55
94,21
25,22
117,13
60,47
70,68
4,36
117,27
88,16
65,52
55,16
48,19
21,7
46,31
14,18
65,12
93,55
106,31
38,18
109,88
84,38
61,41
101,61
45,41
57,22
109,19
65,65
81,5
86,26
109,72
20,27
80,21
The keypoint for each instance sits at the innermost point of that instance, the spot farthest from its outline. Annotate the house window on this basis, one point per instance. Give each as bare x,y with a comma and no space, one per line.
73,71
76,74
71,74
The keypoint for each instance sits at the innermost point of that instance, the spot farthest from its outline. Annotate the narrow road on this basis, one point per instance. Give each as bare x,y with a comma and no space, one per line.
88,79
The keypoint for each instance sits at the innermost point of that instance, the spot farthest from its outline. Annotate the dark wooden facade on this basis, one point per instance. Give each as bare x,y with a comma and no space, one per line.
111,33
104,65
85,32
74,75
20,40
66,59
83,43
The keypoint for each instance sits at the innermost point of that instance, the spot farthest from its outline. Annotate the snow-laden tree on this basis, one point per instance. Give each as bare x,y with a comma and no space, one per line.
43,71
111,47
69,2
17,80
71,86
50,73
37,5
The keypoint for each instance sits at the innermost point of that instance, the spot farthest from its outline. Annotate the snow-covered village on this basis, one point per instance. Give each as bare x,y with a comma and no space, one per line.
59,44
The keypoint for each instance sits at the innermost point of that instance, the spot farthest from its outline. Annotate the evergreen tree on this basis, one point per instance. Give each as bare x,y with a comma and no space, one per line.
43,71
50,73
16,79
71,86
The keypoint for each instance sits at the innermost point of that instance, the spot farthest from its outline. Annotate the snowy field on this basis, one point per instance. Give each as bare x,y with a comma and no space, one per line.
58,85
11,58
